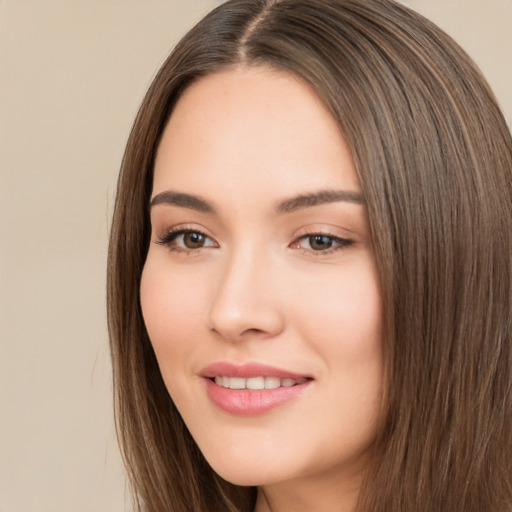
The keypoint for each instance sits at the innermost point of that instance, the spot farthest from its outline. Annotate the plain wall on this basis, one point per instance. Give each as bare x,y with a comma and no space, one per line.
72,74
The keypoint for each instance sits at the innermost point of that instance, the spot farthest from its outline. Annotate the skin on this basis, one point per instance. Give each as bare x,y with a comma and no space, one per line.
260,290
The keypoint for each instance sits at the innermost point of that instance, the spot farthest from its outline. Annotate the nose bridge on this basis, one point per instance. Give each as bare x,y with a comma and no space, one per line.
245,301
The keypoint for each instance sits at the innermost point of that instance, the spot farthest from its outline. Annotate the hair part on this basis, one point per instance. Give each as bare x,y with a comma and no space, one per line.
434,159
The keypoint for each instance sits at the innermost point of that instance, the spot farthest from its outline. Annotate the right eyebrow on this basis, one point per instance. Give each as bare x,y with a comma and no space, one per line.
183,200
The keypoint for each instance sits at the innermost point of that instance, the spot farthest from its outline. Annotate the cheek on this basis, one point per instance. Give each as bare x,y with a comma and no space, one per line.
170,306
344,326
345,317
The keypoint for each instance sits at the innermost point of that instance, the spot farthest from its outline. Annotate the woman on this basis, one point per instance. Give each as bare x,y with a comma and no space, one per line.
310,269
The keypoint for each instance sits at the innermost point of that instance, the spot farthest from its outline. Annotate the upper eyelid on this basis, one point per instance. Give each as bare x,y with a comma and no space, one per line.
170,234
327,235
326,231
185,228
319,233
299,235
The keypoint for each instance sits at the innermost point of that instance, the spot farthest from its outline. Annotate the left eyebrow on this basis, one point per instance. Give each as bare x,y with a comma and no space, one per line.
318,198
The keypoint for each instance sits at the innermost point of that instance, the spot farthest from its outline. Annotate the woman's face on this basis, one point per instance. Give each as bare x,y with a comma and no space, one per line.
259,291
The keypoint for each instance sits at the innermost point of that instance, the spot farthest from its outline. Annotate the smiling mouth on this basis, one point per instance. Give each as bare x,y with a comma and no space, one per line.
251,389
256,383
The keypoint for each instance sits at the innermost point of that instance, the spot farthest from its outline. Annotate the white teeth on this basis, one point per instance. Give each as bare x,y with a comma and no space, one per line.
255,383
272,382
237,382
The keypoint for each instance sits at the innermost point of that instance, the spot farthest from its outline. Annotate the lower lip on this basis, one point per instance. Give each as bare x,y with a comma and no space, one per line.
244,402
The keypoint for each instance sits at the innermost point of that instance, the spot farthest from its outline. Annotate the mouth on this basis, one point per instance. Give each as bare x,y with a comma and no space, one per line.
256,383
252,389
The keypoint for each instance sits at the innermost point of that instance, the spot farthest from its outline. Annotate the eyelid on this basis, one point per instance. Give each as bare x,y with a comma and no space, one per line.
174,232
340,241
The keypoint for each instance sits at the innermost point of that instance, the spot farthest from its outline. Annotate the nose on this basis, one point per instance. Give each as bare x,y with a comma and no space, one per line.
246,301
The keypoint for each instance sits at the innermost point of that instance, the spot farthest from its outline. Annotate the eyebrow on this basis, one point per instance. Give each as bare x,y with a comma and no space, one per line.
318,198
197,203
183,200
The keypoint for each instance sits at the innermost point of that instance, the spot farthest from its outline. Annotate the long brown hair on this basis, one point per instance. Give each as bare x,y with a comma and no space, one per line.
434,158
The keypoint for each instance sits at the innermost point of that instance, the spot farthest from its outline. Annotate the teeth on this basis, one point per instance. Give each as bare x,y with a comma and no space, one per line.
272,382
255,383
236,382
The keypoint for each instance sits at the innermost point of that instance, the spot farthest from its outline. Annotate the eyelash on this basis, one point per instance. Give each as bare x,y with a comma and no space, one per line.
338,242
171,236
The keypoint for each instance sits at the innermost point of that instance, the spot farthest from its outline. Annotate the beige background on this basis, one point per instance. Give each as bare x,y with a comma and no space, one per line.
72,74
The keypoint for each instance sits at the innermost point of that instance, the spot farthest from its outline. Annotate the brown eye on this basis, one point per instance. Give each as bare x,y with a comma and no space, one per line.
193,240
186,240
320,242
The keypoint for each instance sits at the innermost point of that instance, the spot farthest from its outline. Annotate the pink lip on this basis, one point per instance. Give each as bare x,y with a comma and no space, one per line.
225,369
245,402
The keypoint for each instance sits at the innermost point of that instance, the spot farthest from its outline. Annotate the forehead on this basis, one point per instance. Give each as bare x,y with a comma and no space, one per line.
251,127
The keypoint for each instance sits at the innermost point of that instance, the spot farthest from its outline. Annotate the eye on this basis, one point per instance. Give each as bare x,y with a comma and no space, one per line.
321,243
186,240
193,239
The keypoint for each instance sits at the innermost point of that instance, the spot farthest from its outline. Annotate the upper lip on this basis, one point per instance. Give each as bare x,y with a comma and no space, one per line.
247,370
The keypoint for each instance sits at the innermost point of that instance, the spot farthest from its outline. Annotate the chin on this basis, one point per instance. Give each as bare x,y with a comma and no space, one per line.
249,469
247,476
